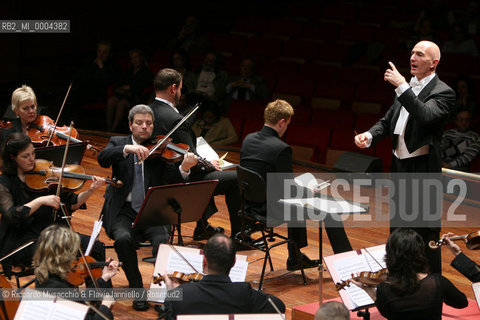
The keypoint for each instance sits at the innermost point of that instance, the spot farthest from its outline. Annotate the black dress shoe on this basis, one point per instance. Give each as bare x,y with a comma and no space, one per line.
201,233
293,264
140,305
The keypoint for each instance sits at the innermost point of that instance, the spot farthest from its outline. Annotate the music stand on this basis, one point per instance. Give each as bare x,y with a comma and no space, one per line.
173,204
55,153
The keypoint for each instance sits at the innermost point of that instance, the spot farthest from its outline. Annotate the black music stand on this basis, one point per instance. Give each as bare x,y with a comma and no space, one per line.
173,204
55,153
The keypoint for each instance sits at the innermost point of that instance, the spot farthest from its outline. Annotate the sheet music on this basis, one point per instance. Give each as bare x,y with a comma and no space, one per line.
206,151
379,256
50,309
176,263
476,292
97,227
309,181
345,268
327,205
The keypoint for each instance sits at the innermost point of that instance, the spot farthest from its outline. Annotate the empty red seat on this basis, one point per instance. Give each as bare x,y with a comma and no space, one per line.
335,119
301,48
226,42
310,135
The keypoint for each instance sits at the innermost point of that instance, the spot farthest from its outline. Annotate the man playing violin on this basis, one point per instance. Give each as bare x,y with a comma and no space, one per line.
215,293
168,85
122,204
24,104
25,213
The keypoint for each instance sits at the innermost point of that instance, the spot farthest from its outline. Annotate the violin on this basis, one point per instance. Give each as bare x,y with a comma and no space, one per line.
40,131
45,176
368,278
472,240
173,152
180,277
4,124
10,306
79,272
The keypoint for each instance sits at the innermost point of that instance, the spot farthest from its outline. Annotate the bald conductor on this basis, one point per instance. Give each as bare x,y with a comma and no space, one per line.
415,123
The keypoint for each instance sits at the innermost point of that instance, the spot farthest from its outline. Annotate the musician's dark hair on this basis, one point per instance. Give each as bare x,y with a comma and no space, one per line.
405,258
13,145
165,78
220,254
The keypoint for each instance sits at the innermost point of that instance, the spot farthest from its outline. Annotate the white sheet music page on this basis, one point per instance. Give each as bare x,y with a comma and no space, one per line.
206,151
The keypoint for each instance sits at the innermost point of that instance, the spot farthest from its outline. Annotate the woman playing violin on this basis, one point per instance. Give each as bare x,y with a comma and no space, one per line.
57,249
461,262
24,104
410,291
26,213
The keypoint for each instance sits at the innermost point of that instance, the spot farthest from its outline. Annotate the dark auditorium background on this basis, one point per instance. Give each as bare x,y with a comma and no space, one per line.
326,57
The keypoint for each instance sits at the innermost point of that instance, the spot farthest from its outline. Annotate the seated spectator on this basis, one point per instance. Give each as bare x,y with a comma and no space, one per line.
216,293
93,79
189,38
332,310
426,31
180,61
460,145
215,128
465,96
247,85
207,83
131,90
470,17
460,42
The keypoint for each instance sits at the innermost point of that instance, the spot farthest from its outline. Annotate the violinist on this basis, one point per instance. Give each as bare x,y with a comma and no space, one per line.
122,204
461,262
57,249
25,213
24,104
215,293
168,86
410,291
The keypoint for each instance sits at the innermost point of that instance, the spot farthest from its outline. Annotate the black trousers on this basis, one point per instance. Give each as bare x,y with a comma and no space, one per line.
127,239
228,186
428,232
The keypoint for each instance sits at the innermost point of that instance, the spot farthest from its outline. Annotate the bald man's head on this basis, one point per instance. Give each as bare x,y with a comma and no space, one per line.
424,59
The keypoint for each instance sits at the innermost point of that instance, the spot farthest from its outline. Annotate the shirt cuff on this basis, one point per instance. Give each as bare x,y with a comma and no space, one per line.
401,89
124,153
369,138
184,174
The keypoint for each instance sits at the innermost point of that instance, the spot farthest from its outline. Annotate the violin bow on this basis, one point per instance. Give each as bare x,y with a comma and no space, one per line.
23,246
183,258
372,257
159,143
58,116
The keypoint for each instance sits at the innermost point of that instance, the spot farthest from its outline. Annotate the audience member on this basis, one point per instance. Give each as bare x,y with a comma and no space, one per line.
332,310
215,128
440,15
470,17
208,82
410,291
426,32
460,42
465,96
93,79
190,38
180,61
131,90
460,145
461,262
215,293
247,85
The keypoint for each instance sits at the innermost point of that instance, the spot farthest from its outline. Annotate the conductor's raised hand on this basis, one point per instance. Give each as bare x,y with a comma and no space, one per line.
139,150
361,140
393,76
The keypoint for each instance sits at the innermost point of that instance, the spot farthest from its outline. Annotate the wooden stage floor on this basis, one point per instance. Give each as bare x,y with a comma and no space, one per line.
289,287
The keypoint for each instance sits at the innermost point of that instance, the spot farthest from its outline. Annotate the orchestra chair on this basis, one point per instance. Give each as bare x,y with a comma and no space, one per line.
253,188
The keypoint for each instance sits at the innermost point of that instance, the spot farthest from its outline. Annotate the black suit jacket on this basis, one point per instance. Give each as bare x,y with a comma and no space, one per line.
264,152
156,172
217,294
166,118
428,113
